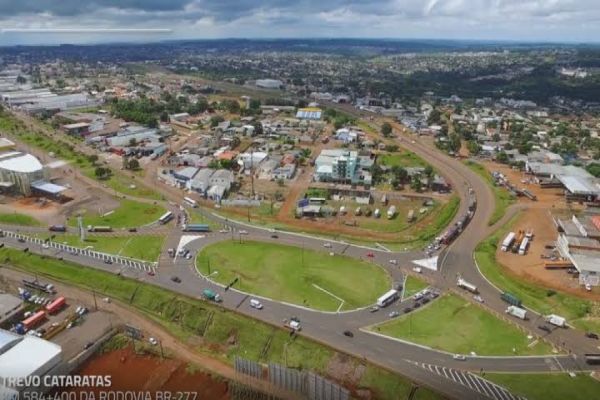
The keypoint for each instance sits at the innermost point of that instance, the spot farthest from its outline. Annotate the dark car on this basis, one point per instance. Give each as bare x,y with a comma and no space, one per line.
545,328
132,229
88,345
176,279
348,333
107,261
407,309
21,240
591,335
274,237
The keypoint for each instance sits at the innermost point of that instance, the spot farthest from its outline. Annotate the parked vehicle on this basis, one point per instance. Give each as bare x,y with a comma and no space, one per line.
393,314
57,228
176,279
56,305
545,328
511,299
591,335
348,333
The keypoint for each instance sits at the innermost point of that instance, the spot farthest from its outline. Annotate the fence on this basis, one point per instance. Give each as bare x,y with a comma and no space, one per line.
305,384
105,257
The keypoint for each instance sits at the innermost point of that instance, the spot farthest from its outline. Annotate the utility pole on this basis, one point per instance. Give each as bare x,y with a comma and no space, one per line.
208,261
95,303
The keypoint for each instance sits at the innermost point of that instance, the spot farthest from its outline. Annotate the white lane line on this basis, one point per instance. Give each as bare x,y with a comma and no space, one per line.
331,294
559,364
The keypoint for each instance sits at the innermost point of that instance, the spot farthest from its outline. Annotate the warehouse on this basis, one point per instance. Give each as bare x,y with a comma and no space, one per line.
24,356
9,306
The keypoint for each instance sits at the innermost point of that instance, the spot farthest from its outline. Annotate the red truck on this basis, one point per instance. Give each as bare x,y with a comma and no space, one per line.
56,305
34,320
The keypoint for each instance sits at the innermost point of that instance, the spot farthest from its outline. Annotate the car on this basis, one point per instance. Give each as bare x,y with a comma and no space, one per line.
153,341
478,298
176,279
88,345
21,240
107,261
83,311
348,333
374,309
425,300
327,245
272,230
151,273
407,309
132,229
188,256
545,328
274,236
591,335
416,304
223,231
418,270
370,254
393,314
45,246
243,232
394,262
459,357
254,303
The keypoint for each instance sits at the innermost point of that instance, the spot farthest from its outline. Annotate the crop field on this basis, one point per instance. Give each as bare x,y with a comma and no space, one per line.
304,277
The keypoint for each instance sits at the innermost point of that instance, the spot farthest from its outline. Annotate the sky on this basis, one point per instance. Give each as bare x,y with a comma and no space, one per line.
519,20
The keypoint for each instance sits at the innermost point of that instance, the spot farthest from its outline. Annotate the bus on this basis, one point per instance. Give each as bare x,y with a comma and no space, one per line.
190,202
387,298
196,228
166,217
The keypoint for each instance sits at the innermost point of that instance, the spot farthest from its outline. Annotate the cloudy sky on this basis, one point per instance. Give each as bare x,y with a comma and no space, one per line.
523,20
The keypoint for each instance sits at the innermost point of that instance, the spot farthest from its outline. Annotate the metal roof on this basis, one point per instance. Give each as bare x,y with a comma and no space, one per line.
48,187
20,162
7,340
27,356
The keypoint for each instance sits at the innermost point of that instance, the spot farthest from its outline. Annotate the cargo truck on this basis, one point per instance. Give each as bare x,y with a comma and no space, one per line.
508,240
523,246
196,228
101,228
34,320
517,242
56,305
44,287
210,295
517,312
411,216
461,283
511,299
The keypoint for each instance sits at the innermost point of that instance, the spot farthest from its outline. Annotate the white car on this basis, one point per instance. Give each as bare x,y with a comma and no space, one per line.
254,303
418,270
459,357
153,341
478,298
327,245
223,231
395,262
243,232
45,246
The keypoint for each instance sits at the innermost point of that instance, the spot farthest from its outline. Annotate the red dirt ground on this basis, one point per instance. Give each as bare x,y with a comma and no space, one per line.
130,371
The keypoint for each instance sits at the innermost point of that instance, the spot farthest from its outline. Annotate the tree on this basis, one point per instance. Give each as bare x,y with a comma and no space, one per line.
594,169
502,157
133,164
102,172
216,120
473,147
400,174
132,142
386,129
391,148
454,143
93,158
258,128
434,117
428,171
376,173
416,183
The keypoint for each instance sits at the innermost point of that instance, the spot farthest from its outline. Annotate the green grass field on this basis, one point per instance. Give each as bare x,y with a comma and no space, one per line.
289,274
403,158
142,247
129,214
503,198
412,285
582,313
557,386
189,319
18,219
457,326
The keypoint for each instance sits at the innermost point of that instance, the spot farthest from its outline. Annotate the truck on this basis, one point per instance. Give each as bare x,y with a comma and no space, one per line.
99,228
210,295
449,235
34,320
44,287
517,312
511,299
196,228
391,212
517,242
556,320
57,228
411,216
508,240
523,246
293,323
461,283
56,305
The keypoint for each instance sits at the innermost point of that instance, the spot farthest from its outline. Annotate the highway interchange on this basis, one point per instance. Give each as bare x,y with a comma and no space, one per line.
407,359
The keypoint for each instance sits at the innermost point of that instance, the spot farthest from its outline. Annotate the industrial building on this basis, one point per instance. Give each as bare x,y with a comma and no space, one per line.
24,356
579,242
19,171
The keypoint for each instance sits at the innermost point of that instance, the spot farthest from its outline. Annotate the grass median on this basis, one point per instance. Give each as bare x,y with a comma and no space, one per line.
452,324
412,285
18,219
556,386
502,197
305,277
129,214
215,331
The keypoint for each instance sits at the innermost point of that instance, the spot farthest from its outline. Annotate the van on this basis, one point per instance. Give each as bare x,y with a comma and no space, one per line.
256,304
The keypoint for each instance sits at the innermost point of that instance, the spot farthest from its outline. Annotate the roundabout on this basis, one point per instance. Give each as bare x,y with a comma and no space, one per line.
304,277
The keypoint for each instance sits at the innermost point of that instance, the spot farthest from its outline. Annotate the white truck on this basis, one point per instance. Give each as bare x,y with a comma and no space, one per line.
556,320
517,312
523,246
508,240
461,283
391,212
